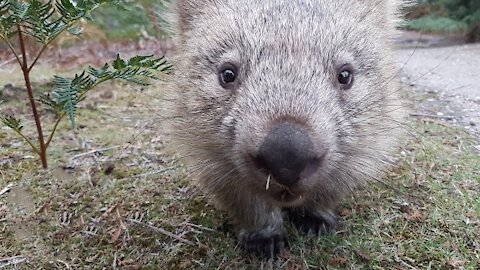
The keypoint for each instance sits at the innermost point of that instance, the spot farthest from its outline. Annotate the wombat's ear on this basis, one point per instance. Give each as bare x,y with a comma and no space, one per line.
183,12
385,13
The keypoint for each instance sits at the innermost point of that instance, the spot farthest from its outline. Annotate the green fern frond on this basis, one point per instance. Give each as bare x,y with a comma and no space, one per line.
44,21
7,20
119,63
50,104
12,122
36,20
75,31
20,9
100,73
4,6
66,97
69,92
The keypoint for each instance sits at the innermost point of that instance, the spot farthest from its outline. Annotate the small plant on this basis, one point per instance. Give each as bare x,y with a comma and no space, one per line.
44,22
445,16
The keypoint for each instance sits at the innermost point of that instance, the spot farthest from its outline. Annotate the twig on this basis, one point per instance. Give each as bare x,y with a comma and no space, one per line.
155,172
114,263
92,152
445,117
406,264
222,262
89,233
110,210
162,231
64,263
198,226
6,189
12,261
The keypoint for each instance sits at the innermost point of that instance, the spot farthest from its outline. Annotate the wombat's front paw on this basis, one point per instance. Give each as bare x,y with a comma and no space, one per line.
317,223
265,243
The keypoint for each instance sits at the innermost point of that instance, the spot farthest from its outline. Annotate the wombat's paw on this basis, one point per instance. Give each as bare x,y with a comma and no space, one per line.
318,223
266,243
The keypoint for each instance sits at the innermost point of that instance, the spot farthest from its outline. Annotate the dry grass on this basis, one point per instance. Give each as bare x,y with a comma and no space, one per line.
113,199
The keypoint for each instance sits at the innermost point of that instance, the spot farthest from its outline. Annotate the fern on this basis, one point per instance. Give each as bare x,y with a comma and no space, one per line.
44,21
12,123
69,92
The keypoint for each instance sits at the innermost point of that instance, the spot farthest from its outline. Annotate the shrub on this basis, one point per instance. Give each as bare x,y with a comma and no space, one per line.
43,23
446,16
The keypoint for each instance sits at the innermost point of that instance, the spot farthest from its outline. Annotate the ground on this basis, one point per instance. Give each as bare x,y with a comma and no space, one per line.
113,198
446,69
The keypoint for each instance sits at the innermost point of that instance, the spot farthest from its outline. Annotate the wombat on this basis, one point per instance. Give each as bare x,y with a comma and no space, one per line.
283,107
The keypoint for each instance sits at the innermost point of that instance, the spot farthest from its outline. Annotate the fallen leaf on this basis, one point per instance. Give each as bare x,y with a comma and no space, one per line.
337,261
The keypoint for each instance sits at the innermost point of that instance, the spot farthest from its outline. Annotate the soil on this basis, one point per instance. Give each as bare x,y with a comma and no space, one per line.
444,70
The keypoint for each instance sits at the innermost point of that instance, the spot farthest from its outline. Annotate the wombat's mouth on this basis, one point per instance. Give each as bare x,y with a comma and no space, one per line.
286,196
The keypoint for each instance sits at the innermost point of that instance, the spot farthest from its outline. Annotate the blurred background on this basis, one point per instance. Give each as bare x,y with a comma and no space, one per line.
454,17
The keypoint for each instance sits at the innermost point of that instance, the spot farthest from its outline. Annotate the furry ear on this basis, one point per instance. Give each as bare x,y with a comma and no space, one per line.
384,13
183,12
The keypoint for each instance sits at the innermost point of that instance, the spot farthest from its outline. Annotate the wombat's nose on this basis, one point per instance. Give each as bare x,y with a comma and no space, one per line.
288,154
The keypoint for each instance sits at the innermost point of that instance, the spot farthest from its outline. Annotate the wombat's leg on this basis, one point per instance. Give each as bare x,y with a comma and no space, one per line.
259,225
314,220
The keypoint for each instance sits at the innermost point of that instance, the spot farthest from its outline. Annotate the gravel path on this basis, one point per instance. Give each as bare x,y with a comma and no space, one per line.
448,73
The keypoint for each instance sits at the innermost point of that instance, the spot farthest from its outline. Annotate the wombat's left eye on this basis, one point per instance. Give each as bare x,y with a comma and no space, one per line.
227,75
345,76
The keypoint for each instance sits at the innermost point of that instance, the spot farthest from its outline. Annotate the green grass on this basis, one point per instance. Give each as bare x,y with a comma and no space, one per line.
128,22
435,24
424,215
444,16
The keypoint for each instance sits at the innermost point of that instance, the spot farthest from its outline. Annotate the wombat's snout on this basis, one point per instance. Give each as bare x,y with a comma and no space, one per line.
287,153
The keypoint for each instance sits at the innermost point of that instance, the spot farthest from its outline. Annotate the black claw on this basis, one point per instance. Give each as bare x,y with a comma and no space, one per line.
318,223
263,245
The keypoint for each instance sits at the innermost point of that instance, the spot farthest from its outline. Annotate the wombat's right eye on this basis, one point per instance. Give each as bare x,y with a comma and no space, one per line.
345,76
228,75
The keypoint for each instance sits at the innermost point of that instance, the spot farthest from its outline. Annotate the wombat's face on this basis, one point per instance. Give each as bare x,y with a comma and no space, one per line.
291,96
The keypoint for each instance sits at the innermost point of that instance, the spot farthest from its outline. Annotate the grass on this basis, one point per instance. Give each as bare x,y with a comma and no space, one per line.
433,24
132,21
444,17
104,209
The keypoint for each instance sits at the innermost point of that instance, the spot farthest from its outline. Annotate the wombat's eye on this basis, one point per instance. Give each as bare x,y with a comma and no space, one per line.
345,76
227,75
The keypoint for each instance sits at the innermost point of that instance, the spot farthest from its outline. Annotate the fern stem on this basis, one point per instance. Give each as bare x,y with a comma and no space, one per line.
61,116
50,138
45,45
26,75
12,49
34,148
38,56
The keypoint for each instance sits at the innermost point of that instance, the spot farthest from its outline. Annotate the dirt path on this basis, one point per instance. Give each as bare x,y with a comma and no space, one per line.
448,73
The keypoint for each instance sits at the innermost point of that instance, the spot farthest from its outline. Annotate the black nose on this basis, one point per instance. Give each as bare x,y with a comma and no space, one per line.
288,154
